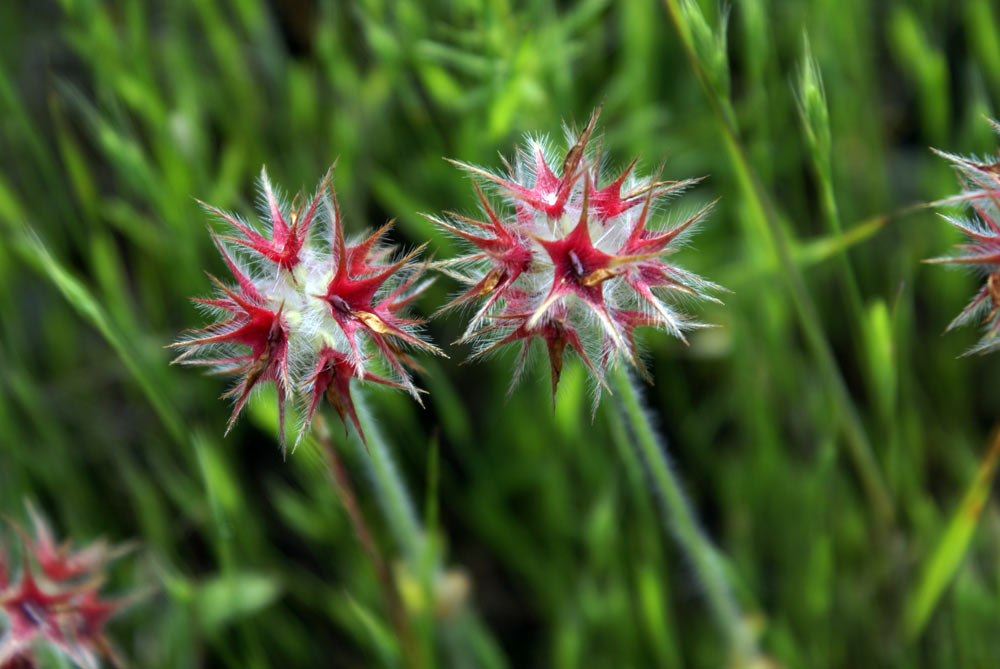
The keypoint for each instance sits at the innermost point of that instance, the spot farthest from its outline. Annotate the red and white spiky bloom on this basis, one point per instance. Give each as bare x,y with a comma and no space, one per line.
980,181
309,311
571,257
61,607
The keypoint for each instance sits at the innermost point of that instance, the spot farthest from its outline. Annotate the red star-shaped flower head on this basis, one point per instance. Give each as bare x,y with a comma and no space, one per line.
980,181
314,311
63,608
575,259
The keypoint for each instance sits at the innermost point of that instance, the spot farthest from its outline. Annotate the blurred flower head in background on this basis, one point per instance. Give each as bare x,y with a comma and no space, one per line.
980,181
60,607
305,314
573,257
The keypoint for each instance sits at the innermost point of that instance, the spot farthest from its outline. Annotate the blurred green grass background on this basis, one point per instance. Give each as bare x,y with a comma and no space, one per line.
114,115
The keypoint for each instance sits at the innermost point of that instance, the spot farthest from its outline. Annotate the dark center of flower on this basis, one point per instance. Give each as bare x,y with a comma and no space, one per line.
339,305
578,269
32,613
274,334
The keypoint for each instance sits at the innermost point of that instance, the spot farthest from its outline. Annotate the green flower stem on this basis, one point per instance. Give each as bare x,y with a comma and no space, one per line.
423,561
680,520
345,492
765,216
401,515
392,494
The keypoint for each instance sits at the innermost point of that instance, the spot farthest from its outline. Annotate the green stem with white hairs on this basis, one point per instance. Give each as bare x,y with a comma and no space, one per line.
344,489
681,521
392,493
404,524
465,636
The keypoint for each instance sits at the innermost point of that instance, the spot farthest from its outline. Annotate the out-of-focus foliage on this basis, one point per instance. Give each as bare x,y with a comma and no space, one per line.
115,115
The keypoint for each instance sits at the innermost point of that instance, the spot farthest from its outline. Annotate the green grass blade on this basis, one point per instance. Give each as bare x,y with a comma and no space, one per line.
33,251
947,557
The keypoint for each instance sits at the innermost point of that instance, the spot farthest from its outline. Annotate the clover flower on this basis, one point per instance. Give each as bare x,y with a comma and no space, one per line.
308,315
61,607
980,182
571,257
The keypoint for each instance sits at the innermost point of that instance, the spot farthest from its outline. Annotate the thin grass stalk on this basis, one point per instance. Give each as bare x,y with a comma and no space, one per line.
831,214
859,448
345,492
943,564
680,520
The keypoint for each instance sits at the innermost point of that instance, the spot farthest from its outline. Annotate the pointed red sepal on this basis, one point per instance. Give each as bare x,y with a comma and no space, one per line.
550,193
353,304
32,612
60,563
608,203
246,285
555,330
644,242
628,320
507,250
579,268
331,379
982,248
92,614
263,331
288,234
362,258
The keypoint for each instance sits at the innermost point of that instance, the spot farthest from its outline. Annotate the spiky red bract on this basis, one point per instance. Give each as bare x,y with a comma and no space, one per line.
549,193
309,315
331,379
288,232
554,329
63,608
980,182
573,259
351,296
60,562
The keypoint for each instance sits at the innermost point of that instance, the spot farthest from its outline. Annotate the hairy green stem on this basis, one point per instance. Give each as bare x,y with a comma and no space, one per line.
680,519
345,492
424,563
401,515
392,493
